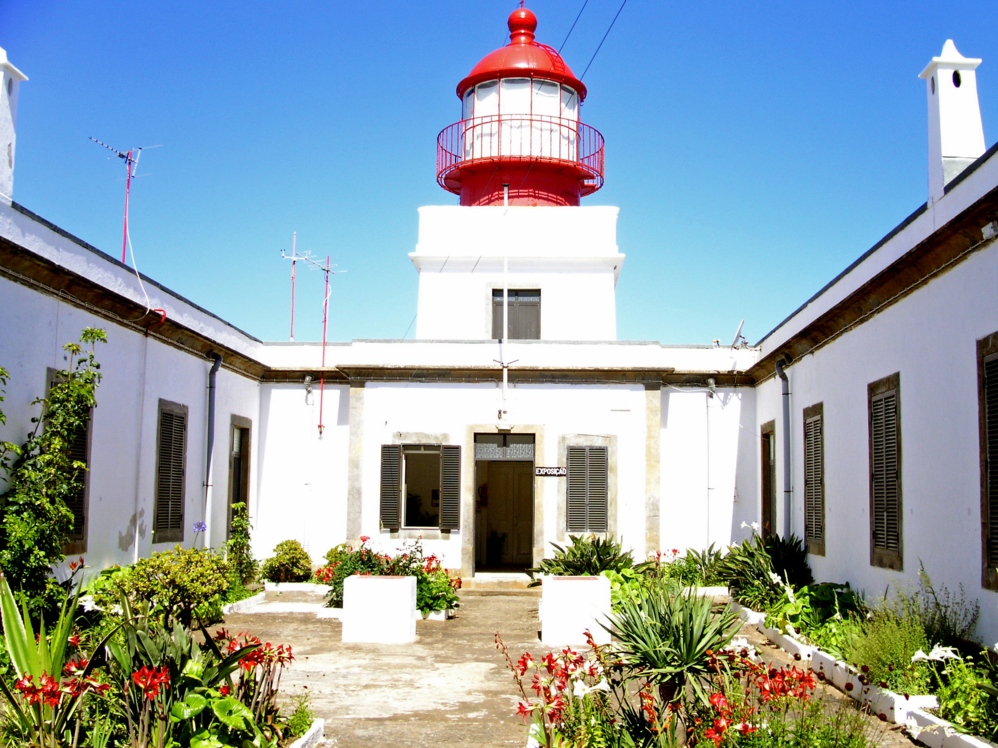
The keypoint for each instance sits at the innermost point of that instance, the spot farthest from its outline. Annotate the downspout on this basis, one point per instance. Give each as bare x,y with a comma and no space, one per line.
787,489
206,517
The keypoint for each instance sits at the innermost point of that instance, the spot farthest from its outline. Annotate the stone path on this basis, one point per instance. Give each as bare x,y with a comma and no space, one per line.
451,687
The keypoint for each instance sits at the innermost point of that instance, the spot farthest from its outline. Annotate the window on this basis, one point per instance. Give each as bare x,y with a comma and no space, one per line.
239,466
79,451
768,474
987,377
814,480
420,486
886,548
524,310
171,452
588,482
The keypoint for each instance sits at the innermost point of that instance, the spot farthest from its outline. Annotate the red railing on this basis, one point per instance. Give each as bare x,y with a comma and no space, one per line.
520,138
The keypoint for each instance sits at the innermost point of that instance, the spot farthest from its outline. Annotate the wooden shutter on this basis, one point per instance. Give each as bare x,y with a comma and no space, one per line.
814,499
588,489
391,485
524,309
450,488
885,494
168,520
991,461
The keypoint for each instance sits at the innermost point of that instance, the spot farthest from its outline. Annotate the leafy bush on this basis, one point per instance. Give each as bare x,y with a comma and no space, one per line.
587,555
888,640
35,521
747,570
237,550
290,563
183,585
301,716
433,586
807,609
968,695
947,618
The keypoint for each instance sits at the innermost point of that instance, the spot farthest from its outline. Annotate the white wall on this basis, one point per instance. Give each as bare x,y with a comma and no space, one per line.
708,466
301,478
930,338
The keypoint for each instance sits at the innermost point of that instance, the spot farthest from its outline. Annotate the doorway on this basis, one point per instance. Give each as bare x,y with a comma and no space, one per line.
239,468
768,451
504,502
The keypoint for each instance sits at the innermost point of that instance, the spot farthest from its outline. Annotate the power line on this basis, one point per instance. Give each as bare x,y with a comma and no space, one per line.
573,25
603,40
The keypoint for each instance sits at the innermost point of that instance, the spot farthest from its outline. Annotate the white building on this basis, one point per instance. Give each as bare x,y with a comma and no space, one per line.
515,416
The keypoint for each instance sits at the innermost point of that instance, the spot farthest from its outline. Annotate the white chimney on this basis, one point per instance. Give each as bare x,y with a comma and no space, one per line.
10,78
956,135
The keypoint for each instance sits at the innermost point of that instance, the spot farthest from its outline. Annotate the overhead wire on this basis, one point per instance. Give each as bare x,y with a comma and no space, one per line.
584,4
603,39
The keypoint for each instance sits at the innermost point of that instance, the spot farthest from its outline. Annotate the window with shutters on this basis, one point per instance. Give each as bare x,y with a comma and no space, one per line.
420,486
886,532
588,489
987,377
814,479
523,309
79,451
171,456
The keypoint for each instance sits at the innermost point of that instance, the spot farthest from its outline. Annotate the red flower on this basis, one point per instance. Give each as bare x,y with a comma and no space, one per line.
224,690
150,680
524,710
74,640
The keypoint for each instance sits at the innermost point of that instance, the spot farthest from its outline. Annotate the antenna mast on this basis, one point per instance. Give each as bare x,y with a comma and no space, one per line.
131,159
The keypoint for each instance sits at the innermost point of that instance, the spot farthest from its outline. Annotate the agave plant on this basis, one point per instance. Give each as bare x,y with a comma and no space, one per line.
666,636
588,555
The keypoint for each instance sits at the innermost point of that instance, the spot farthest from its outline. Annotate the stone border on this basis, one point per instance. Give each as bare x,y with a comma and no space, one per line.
909,712
241,606
315,589
312,736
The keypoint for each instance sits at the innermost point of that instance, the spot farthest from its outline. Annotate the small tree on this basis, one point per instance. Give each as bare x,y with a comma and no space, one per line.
35,521
237,551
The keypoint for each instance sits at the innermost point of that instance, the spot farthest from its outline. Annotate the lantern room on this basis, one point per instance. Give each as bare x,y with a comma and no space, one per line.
519,140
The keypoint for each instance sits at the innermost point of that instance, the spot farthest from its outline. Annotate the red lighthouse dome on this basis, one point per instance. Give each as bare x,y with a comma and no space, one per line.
520,128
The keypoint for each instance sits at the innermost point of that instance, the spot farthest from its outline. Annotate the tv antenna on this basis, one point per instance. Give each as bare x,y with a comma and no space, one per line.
327,270
739,338
131,159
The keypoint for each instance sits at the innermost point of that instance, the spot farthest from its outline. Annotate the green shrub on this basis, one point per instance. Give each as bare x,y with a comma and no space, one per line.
888,640
947,617
290,563
968,695
747,570
587,555
301,716
789,559
180,585
41,476
434,592
237,550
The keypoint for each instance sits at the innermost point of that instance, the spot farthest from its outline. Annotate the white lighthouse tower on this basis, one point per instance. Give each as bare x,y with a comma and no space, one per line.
10,79
518,258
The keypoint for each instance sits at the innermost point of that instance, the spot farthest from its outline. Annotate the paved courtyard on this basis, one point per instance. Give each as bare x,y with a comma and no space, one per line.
451,687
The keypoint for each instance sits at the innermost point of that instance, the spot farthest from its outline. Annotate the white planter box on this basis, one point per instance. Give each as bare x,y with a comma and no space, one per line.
379,610
751,617
572,605
439,615
242,606
312,736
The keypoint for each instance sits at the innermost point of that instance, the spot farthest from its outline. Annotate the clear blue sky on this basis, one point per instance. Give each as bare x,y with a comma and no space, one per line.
754,149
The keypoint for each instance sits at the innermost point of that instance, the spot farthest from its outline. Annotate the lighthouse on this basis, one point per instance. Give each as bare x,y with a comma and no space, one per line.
519,140
519,257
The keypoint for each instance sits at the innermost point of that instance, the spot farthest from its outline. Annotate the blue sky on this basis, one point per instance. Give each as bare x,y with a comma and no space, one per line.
754,149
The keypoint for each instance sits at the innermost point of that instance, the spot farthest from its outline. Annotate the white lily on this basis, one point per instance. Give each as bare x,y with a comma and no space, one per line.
938,654
580,690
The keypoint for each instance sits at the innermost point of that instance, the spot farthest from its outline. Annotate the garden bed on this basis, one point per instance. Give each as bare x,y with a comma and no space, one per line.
908,710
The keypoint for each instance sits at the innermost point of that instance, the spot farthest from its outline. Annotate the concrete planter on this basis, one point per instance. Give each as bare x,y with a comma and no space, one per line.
573,605
312,736
379,610
439,615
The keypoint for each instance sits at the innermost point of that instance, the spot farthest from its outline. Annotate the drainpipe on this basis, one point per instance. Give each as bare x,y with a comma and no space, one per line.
217,363
787,490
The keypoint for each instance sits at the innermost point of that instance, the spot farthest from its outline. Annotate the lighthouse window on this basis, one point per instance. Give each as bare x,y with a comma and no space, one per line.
487,99
546,99
569,103
524,312
468,108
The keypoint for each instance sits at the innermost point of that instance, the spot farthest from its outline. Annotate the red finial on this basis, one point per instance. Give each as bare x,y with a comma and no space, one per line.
522,24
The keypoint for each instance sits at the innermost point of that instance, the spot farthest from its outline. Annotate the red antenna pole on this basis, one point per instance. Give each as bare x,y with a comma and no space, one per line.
325,318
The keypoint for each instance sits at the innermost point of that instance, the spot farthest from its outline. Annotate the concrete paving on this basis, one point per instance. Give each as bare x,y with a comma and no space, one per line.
451,687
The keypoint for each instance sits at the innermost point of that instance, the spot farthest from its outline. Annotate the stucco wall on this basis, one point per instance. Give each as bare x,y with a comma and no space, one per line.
930,339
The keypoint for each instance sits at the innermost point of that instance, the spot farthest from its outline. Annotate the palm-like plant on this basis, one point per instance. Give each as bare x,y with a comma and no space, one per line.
588,555
666,636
